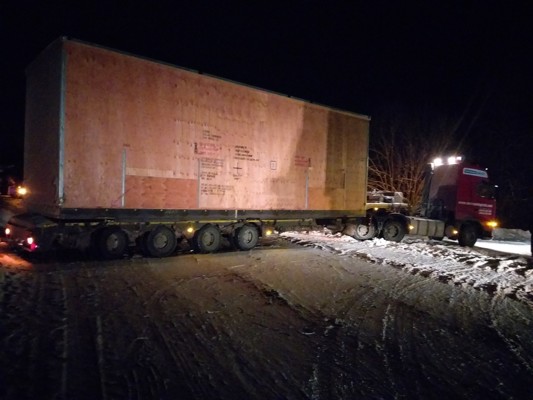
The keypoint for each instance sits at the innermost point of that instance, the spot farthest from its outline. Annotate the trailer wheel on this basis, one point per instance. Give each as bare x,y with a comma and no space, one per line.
467,235
159,242
364,231
207,239
111,243
246,237
393,231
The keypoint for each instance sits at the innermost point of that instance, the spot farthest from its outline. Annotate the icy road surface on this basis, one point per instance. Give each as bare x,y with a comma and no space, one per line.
306,316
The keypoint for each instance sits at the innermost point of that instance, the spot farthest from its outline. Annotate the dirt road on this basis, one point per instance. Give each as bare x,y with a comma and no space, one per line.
278,322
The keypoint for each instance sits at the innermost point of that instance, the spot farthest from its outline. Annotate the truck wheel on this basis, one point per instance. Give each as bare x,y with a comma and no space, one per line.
467,235
159,242
111,243
207,239
364,231
393,231
246,237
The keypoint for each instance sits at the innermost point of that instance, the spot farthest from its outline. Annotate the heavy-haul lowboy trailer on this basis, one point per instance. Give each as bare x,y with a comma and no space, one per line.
122,151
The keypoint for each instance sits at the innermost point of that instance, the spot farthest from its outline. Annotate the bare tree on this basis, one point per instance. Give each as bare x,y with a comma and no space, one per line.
402,144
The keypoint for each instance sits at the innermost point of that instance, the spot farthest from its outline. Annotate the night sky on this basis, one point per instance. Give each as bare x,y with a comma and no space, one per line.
468,60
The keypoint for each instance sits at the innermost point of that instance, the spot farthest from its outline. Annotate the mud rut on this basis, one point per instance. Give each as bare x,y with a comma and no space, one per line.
272,323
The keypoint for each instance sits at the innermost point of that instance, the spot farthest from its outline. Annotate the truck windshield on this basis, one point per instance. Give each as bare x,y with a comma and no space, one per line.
486,190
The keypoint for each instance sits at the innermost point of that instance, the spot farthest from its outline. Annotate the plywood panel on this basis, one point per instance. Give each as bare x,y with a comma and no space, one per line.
160,193
177,139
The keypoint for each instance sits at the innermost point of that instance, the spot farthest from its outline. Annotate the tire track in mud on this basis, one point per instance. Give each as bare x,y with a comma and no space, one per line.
488,271
316,331
33,351
192,328
159,340
344,351
83,336
127,363
461,349
333,343
501,312
425,353
353,356
226,334
415,356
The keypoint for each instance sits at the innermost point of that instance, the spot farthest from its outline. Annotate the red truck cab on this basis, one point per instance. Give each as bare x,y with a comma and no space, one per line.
461,195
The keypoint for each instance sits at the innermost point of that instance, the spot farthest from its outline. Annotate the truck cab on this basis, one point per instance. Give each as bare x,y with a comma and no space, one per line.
458,202
460,195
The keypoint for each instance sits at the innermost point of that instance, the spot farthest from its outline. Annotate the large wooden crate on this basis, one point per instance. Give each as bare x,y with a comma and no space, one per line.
110,130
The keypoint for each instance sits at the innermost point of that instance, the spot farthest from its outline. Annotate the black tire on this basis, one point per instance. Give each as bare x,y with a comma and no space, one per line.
246,237
393,231
467,235
111,243
364,231
207,239
159,242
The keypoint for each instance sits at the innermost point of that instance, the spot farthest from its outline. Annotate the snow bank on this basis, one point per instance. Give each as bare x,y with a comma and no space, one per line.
513,235
498,274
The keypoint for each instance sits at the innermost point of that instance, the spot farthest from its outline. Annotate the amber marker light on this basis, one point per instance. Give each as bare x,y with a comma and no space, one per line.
22,191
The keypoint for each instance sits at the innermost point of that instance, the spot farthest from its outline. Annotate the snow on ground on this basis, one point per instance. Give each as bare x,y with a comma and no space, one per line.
503,246
506,269
513,241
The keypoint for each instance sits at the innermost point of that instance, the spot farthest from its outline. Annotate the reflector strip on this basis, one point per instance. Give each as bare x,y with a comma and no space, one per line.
468,203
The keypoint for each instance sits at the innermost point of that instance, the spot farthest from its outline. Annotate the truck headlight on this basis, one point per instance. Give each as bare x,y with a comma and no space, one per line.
492,224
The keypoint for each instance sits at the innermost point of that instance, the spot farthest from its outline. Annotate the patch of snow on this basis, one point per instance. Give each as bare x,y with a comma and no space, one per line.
511,235
491,271
521,248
